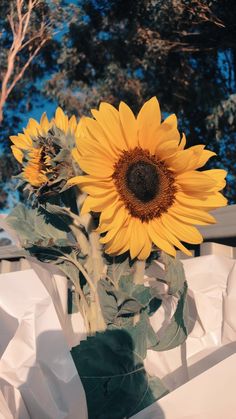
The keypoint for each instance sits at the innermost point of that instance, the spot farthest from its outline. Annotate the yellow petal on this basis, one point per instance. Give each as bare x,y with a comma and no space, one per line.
149,119
18,154
97,134
185,160
191,215
171,238
99,203
108,215
197,217
44,122
89,180
129,125
96,167
21,141
182,143
88,146
33,128
219,176
168,137
109,120
214,200
146,250
119,244
158,240
187,233
204,157
116,224
72,124
96,189
194,182
75,154
137,237
86,207
61,120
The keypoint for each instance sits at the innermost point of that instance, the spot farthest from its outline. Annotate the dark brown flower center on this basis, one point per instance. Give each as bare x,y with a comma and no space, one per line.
144,183
142,180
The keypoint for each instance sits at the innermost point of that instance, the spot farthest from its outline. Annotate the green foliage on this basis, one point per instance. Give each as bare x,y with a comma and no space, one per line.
113,376
33,229
174,275
176,332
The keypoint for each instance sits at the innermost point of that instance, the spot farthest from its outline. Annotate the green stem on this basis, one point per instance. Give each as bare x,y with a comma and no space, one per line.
139,271
99,323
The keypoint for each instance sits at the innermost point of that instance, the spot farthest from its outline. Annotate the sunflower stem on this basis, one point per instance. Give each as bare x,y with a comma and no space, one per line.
98,322
139,270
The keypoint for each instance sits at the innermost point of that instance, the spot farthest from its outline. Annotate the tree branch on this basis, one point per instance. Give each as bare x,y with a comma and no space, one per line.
21,27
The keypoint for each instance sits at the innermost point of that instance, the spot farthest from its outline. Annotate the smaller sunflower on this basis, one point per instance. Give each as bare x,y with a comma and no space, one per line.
38,145
143,181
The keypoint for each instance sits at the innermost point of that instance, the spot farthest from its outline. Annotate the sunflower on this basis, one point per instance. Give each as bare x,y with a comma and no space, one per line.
143,181
31,148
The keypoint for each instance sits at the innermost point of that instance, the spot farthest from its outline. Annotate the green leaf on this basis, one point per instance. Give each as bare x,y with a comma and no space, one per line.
118,269
155,391
126,283
113,375
143,335
176,332
175,276
33,227
142,294
108,301
116,303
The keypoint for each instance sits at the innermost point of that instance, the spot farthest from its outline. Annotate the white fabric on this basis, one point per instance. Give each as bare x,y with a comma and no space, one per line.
210,395
38,379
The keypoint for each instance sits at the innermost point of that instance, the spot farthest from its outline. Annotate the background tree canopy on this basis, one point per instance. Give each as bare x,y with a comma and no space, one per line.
182,51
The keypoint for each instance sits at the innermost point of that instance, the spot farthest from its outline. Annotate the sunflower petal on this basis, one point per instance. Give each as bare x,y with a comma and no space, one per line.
129,125
21,141
137,238
195,182
182,143
109,120
44,122
149,119
61,120
18,154
171,237
214,200
163,244
187,233
95,167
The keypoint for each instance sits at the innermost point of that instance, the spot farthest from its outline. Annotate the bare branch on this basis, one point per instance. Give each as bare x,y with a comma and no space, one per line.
21,27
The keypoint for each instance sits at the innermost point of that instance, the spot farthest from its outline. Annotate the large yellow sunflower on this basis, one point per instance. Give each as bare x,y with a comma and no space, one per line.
143,182
31,153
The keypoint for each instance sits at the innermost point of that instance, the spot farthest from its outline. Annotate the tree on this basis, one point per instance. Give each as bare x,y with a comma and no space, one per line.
183,51
27,50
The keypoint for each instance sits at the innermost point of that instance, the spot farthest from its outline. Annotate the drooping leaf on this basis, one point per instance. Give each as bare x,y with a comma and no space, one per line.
115,303
107,301
118,269
113,375
176,332
143,335
142,294
32,227
174,273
